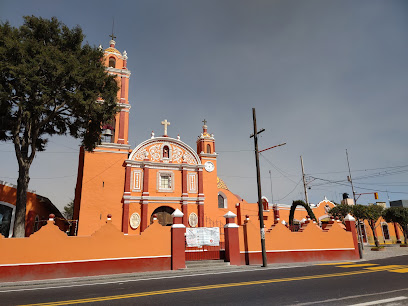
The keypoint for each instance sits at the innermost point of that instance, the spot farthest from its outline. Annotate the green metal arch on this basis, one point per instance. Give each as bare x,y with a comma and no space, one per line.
293,208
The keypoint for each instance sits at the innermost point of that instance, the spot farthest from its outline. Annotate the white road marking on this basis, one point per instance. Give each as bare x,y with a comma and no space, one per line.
351,297
398,298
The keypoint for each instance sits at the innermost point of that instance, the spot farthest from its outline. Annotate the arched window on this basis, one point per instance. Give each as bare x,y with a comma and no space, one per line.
222,200
208,148
166,152
112,62
386,233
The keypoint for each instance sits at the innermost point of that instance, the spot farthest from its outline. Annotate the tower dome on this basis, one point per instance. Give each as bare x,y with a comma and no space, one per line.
112,49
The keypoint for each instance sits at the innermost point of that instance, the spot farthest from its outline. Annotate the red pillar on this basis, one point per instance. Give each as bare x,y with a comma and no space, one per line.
351,227
178,230
144,216
231,235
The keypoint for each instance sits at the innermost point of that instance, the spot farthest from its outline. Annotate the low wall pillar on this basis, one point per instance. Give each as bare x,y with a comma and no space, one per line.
275,214
231,235
178,244
351,227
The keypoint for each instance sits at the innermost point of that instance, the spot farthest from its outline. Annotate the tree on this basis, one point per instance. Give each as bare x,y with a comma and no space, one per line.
69,210
50,83
398,215
340,210
373,213
359,212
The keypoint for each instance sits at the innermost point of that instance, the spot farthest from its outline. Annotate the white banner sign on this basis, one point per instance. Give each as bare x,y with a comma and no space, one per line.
199,236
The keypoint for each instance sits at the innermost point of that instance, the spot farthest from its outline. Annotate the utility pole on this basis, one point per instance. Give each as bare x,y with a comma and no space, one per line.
258,179
304,181
360,242
270,178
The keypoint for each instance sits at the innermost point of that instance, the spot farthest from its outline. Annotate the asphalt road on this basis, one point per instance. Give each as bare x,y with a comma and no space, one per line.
368,282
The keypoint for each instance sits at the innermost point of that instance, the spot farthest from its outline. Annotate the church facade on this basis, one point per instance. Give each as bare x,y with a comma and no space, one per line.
158,176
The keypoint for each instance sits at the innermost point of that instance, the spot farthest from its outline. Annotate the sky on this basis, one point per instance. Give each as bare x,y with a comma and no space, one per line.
323,75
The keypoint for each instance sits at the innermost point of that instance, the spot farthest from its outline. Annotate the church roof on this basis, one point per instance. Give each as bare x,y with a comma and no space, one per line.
221,184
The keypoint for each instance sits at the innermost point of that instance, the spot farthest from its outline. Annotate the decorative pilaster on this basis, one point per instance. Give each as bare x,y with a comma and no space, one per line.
126,195
184,194
200,195
144,213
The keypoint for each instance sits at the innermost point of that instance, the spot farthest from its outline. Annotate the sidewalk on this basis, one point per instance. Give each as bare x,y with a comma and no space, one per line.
390,250
207,267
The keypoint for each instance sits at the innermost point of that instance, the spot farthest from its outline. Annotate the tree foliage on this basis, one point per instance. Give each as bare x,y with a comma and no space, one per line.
340,211
359,211
49,84
69,210
398,215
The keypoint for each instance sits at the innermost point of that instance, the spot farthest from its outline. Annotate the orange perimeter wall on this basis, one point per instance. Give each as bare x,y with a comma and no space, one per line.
310,244
50,253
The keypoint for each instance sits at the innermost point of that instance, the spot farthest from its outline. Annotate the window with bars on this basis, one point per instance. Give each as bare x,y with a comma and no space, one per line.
165,181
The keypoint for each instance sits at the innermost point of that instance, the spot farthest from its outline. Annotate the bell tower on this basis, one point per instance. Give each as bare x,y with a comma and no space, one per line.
101,176
205,142
116,132
207,176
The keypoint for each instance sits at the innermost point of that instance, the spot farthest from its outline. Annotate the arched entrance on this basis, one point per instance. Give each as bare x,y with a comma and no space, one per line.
163,214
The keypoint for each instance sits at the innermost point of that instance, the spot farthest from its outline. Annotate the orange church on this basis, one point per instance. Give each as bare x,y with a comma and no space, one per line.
158,176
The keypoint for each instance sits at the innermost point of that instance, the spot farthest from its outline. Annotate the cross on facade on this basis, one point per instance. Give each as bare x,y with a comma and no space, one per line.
205,122
165,123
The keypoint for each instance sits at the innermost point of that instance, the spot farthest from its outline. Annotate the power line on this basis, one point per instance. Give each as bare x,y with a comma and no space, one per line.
277,169
290,191
370,169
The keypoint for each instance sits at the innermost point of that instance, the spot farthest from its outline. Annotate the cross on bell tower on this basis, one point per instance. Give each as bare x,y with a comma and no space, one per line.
112,36
165,123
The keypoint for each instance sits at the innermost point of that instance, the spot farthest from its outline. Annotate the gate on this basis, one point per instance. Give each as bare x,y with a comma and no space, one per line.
207,252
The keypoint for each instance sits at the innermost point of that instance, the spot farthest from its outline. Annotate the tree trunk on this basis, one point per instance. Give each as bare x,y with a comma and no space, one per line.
21,201
372,225
405,233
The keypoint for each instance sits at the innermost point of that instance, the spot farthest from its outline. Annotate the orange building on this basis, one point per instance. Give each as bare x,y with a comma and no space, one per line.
158,176
38,210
